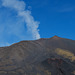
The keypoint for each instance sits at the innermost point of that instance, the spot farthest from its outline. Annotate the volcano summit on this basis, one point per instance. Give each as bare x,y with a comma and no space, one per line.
46,56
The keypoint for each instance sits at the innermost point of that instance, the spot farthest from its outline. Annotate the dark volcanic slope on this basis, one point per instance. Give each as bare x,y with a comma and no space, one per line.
51,56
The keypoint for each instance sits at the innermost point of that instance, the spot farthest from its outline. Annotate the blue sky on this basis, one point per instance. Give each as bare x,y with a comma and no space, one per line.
34,19
57,17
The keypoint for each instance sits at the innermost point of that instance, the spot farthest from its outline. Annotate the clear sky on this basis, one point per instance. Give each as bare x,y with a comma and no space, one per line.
34,19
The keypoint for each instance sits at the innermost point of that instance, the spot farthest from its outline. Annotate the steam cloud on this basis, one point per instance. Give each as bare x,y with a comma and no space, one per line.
20,7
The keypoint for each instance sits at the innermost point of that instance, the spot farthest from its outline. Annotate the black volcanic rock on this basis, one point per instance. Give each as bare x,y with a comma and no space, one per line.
46,56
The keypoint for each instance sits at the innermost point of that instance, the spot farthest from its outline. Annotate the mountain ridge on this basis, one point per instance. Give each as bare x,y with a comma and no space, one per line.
44,39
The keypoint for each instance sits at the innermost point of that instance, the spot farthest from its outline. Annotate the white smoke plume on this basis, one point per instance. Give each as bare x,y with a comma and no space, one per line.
20,8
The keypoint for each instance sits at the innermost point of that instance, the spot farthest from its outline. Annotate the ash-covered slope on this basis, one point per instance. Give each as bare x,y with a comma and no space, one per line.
51,56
